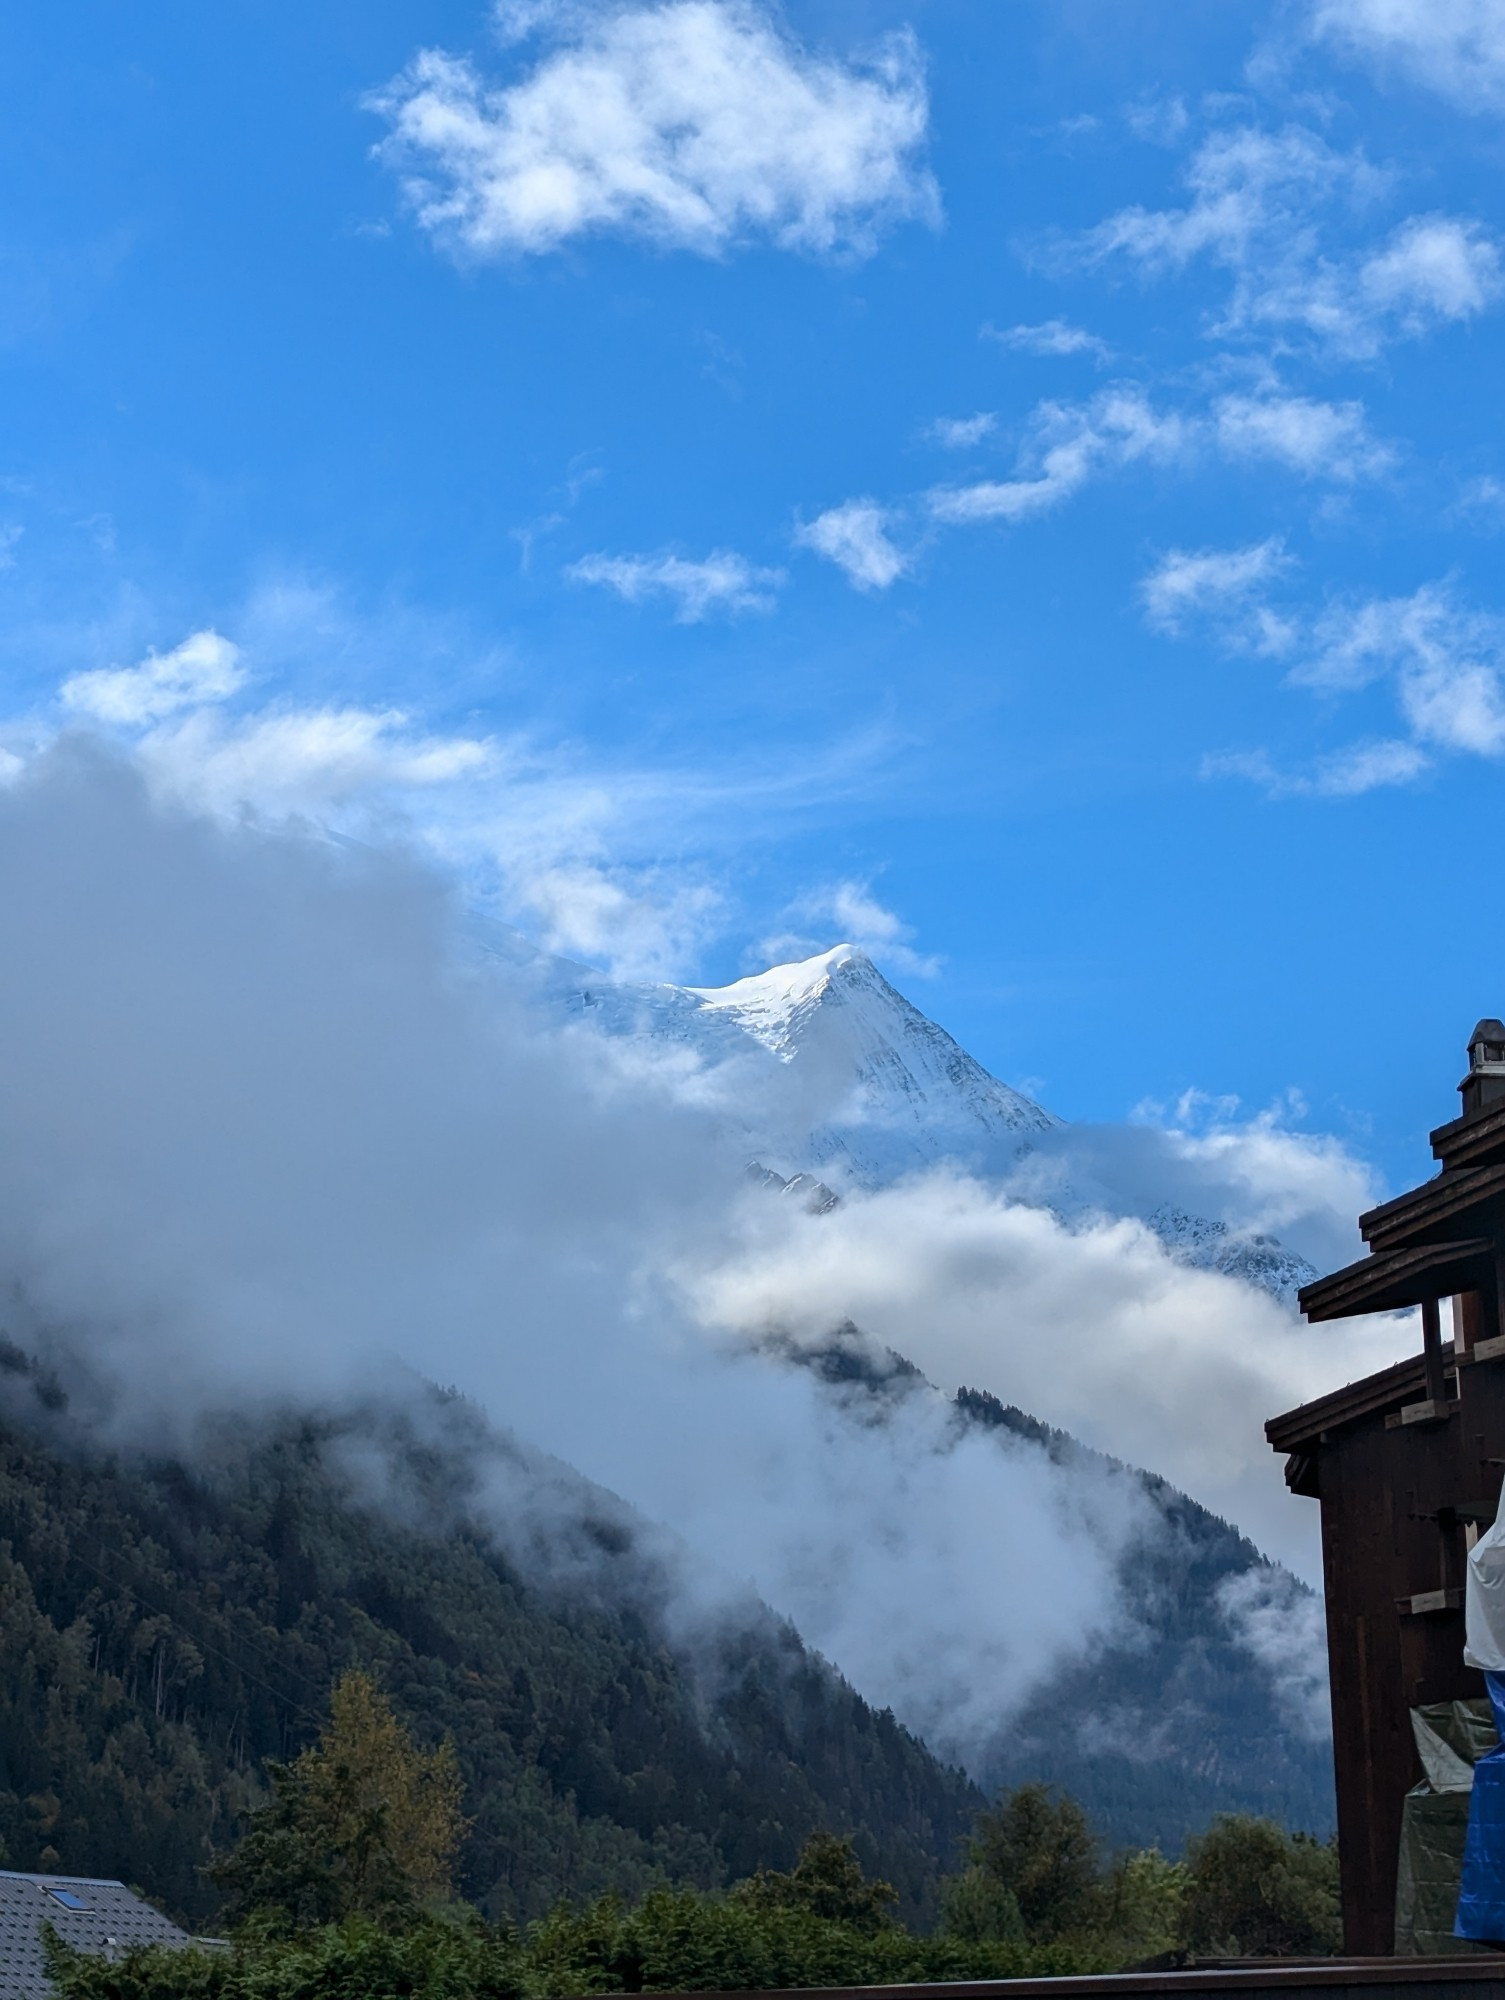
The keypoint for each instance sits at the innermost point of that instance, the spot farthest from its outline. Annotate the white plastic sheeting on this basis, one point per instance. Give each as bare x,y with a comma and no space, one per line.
1484,1602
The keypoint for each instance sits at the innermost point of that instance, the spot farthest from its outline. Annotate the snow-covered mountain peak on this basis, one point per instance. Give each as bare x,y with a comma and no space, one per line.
896,1092
771,1006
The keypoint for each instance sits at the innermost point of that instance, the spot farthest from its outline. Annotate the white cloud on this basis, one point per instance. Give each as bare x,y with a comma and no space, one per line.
1368,767
1247,187
1317,439
722,582
646,924
542,834
849,910
1434,267
1444,657
1168,1362
303,759
516,20
1051,336
961,433
696,125
1482,501
855,537
422,1168
1218,582
1285,1628
1158,120
1444,664
1345,774
1068,445
205,667
1259,207
1455,47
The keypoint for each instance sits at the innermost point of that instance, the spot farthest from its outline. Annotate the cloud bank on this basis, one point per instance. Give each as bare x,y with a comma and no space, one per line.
269,1118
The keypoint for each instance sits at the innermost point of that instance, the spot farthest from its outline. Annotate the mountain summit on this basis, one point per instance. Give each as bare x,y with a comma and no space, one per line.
830,1075
895,1092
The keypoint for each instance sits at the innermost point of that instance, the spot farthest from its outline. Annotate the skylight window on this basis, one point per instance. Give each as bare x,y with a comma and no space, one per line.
67,1898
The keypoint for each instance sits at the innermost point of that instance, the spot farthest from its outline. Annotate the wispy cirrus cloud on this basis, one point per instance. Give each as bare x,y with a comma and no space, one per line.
1051,336
855,536
1225,584
1441,660
722,582
1260,206
1445,659
1067,445
695,125
1349,773
961,433
1454,47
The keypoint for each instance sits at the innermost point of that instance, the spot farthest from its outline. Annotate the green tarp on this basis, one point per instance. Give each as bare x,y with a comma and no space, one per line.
1450,1737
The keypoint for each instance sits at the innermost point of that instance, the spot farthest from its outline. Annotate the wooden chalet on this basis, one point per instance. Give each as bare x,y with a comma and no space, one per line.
1406,1467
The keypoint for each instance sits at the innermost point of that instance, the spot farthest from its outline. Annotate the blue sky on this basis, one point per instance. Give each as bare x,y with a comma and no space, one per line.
1019,485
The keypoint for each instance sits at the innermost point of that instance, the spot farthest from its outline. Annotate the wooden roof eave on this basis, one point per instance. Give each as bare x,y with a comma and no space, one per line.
1391,1280
1370,1396
1438,1206
1474,1140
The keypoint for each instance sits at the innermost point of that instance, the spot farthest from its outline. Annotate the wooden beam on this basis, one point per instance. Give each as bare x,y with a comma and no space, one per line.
1431,1349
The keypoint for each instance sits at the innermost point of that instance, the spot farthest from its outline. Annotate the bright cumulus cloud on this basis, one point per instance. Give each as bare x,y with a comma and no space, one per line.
696,125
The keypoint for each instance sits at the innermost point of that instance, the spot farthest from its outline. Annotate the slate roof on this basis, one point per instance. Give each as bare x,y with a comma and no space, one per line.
94,1916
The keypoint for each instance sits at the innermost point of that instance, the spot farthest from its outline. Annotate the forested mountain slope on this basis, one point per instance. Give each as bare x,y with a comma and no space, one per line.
167,1629
1172,1716
1176,1720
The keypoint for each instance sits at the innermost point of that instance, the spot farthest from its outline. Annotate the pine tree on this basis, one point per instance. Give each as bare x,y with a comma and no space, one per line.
363,1822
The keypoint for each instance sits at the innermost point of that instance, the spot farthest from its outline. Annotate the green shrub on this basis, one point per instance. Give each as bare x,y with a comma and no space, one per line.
1255,1891
356,1960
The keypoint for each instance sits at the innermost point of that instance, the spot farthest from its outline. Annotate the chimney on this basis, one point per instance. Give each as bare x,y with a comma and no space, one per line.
1485,1083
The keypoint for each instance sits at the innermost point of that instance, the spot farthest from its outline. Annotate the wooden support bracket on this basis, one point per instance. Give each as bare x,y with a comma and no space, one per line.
1424,1602
1432,1411
1485,1350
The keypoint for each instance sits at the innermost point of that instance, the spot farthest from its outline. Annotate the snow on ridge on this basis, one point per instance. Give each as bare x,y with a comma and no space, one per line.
908,1095
767,1004
833,1075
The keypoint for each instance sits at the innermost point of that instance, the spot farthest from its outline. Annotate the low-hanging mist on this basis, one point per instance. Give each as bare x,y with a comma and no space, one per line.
268,1127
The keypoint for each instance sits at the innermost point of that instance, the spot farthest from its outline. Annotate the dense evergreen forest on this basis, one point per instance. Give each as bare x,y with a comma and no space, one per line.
343,1883
171,1624
169,1627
